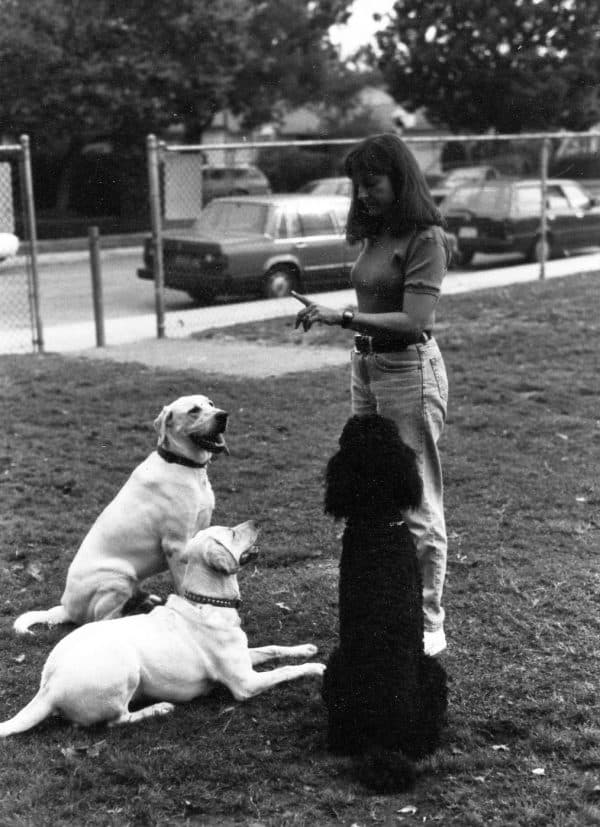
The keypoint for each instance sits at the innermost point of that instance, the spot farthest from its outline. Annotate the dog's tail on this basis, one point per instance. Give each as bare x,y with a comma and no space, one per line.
385,771
38,708
51,617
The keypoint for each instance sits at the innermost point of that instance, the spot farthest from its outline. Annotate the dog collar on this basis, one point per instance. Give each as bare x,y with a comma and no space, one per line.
223,602
169,456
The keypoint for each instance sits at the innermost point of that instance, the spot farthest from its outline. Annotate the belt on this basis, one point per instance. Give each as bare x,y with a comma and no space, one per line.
370,344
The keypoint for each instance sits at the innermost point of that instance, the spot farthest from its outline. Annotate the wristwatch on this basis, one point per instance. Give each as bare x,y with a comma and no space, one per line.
347,318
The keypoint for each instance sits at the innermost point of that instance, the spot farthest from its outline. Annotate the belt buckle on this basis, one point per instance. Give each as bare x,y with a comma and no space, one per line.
363,344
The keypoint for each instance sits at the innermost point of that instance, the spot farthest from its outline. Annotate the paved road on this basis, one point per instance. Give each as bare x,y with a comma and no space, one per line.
66,287
67,314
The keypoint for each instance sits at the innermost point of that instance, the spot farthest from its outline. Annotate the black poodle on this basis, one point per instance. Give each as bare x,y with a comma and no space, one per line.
386,699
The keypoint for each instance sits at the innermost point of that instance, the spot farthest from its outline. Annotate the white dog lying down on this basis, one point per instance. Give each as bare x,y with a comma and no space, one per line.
165,501
177,652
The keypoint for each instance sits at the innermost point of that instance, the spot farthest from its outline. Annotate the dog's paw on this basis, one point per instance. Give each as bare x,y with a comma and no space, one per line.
163,708
319,669
307,650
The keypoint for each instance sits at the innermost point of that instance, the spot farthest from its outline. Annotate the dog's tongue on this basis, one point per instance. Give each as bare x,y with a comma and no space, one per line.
220,446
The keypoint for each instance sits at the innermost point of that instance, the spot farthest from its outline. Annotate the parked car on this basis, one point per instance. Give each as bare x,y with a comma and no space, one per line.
259,244
243,179
583,168
462,175
328,186
9,245
503,216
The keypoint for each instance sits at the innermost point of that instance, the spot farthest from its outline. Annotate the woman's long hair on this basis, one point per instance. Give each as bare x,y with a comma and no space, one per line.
387,154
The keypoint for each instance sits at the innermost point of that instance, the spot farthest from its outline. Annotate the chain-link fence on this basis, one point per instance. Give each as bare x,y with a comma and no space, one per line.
554,216
20,322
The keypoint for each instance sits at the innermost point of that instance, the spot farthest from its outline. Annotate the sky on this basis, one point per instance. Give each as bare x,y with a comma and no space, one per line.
360,28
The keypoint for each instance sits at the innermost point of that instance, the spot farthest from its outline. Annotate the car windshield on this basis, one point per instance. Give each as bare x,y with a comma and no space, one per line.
232,218
483,199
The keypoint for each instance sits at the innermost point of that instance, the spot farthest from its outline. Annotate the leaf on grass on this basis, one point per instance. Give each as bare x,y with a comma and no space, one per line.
500,748
95,750
33,570
581,499
479,778
410,809
563,436
539,771
19,659
283,606
226,710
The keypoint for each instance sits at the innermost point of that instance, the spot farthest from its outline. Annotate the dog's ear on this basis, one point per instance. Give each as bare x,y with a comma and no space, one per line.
221,559
161,425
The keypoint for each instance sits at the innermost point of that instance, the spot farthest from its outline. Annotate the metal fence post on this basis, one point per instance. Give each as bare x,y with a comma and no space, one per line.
544,157
155,217
29,216
94,242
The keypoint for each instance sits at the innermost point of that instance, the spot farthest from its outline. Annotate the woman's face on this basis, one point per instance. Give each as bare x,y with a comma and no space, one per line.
376,193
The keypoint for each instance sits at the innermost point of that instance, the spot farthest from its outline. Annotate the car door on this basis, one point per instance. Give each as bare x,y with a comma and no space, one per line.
561,217
587,216
319,247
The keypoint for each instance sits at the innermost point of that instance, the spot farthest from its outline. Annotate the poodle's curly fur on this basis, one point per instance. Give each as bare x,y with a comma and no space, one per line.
386,699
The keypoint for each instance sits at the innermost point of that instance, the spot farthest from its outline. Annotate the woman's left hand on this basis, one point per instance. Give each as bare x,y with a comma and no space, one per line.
312,313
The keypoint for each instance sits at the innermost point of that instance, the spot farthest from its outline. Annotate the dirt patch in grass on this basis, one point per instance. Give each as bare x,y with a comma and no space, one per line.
521,457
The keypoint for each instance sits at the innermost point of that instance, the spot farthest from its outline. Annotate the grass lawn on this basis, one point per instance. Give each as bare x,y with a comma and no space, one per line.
521,455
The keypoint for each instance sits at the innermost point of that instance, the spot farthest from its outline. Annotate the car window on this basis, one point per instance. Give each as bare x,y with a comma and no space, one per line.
232,217
578,199
556,199
280,225
293,225
341,214
528,200
317,223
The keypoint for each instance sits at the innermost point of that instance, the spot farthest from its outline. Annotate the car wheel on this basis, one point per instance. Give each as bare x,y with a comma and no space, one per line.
280,281
202,297
542,248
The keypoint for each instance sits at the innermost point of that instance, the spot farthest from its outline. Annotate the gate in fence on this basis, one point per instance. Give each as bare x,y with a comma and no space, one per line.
20,321
183,178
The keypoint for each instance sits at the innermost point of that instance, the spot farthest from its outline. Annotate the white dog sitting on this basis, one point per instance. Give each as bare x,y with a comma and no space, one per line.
174,654
165,501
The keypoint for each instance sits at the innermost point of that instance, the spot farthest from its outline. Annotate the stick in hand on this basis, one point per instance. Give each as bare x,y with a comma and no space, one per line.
300,319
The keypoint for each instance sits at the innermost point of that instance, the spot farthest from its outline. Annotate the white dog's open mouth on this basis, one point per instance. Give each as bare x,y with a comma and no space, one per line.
213,442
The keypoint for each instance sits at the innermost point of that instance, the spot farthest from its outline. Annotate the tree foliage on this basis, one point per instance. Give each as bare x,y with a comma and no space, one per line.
511,65
76,68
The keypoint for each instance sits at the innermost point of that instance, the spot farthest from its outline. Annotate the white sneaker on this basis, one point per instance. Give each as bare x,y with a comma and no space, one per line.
434,642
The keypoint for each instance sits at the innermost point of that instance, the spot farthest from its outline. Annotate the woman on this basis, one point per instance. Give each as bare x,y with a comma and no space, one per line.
397,368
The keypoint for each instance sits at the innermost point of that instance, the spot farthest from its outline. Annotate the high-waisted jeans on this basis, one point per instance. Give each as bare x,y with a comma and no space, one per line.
411,387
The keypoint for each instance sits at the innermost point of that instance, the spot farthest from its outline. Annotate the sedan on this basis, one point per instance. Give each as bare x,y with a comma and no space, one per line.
267,245
504,216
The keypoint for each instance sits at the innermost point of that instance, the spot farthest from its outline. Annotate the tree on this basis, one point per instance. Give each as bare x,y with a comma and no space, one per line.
76,70
510,65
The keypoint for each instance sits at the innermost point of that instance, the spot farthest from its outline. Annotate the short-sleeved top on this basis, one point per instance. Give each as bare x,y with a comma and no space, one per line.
390,266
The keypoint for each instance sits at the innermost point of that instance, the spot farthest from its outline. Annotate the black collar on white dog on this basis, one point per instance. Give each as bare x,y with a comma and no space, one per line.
169,456
223,602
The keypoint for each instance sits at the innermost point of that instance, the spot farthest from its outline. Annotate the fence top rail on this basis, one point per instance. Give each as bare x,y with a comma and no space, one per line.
409,139
10,149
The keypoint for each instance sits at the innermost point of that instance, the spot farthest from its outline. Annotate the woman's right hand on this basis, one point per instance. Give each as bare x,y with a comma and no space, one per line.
312,313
